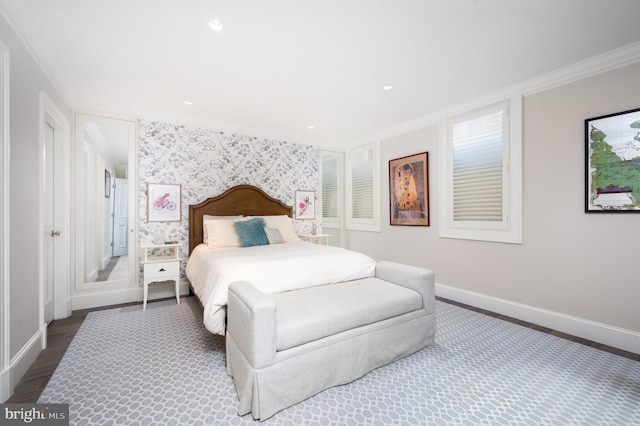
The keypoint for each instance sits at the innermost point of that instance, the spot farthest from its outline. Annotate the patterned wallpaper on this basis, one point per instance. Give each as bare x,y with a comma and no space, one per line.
208,162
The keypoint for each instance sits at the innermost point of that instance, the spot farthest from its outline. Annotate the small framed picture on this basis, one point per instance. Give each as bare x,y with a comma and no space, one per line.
164,202
612,157
409,190
107,184
305,205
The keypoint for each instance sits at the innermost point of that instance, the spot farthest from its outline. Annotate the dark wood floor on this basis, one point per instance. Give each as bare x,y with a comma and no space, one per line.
600,346
60,333
104,274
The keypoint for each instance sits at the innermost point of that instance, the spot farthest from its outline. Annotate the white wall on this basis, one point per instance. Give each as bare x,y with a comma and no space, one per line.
98,209
572,266
26,81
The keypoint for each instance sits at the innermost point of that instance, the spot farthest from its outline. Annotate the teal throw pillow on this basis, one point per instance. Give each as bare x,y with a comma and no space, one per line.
251,232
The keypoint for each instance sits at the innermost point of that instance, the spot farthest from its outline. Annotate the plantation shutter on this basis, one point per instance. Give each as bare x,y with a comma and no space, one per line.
330,187
362,172
478,159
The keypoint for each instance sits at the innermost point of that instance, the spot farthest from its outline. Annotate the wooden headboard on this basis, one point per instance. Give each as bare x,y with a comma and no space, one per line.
246,200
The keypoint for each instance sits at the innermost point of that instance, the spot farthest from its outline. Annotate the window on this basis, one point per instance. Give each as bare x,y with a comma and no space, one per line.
330,167
363,188
481,174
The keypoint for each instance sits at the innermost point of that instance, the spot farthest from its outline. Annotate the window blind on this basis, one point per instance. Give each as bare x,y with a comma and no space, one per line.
362,172
478,158
330,187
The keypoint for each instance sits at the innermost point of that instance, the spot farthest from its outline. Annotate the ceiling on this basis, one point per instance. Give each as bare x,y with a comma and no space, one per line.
281,66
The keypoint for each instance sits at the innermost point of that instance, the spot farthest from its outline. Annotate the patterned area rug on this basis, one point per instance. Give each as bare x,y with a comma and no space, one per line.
120,270
161,367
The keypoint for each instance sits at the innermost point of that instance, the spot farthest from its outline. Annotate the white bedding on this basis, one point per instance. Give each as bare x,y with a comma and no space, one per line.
270,268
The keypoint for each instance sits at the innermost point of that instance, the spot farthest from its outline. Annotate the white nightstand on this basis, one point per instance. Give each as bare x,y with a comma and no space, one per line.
316,238
161,262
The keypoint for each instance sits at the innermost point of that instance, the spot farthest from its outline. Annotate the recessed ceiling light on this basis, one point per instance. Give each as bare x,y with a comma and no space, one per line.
311,126
216,25
188,102
387,87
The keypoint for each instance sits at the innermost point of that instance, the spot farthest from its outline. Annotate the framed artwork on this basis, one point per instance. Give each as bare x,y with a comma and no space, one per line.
612,157
164,202
107,184
305,205
409,190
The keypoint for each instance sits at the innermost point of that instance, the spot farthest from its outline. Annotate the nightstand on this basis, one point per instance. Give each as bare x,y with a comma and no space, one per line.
161,262
316,238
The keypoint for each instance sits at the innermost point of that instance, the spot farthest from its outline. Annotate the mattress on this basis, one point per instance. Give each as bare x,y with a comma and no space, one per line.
271,269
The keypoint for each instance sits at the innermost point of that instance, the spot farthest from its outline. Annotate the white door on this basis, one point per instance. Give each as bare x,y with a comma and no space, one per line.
50,233
120,217
54,248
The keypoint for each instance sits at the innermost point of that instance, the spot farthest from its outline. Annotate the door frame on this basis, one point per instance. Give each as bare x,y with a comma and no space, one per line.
49,113
5,318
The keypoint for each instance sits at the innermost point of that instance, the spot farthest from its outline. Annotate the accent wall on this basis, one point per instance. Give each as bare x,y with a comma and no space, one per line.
207,162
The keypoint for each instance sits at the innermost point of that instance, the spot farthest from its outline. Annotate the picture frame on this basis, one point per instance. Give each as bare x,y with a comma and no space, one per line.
409,190
164,202
107,184
612,163
305,205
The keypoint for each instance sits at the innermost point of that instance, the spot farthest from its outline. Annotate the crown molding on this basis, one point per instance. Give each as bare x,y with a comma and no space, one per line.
596,65
47,70
609,61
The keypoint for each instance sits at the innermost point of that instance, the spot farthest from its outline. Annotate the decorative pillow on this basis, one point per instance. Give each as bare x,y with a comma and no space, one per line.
251,232
207,217
284,224
273,235
222,233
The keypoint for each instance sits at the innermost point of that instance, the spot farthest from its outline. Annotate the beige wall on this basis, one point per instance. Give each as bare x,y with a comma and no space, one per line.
571,263
26,81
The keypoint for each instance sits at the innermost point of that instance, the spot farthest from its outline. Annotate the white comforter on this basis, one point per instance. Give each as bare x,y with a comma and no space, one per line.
271,269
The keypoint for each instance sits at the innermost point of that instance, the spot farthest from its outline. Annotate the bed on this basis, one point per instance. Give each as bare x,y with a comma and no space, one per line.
215,261
298,317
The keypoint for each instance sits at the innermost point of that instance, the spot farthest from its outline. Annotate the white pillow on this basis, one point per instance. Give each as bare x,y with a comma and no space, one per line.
206,217
273,235
284,224
222,233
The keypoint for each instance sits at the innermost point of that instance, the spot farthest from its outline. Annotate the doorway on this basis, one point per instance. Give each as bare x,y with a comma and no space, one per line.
55,225
120,218
118,224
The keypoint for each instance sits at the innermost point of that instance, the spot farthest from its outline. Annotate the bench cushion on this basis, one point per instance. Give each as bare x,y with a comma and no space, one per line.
310,314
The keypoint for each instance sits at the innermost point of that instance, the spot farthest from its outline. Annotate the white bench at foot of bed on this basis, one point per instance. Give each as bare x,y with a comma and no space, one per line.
284,348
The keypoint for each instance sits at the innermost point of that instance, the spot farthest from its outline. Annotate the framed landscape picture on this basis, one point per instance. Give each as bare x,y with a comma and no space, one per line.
612,169
409,190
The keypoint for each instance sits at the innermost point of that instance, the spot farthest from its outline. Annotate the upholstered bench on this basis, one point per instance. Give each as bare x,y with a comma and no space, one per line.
283,348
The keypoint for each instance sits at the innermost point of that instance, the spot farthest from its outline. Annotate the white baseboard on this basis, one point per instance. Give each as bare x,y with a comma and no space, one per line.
616,337
161,291
5,385
20,364
93,275
87,300
105,261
